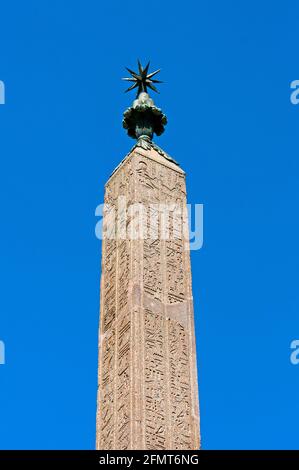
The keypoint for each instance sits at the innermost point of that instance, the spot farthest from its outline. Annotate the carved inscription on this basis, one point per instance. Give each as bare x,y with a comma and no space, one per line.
108,333
124,366
107,391
152,275
155,381
175,271
179,386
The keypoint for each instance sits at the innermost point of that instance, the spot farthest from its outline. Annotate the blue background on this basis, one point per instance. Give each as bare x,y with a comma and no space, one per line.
227,67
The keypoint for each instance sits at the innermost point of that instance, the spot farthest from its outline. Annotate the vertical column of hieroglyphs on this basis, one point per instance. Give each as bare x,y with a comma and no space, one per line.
155,384
107,339
124,348
155,413
179,358
115,364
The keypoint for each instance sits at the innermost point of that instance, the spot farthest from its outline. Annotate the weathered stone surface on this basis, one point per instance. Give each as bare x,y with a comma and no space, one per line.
147,395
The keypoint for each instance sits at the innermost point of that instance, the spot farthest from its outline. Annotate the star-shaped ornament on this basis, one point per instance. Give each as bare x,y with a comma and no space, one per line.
142,80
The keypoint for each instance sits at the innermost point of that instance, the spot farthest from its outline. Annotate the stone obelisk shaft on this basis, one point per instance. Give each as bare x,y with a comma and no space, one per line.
147,395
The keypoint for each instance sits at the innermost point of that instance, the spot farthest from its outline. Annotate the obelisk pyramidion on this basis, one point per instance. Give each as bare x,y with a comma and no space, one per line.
147,391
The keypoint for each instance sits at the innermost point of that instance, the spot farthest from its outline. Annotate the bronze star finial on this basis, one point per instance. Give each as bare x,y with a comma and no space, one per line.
142,80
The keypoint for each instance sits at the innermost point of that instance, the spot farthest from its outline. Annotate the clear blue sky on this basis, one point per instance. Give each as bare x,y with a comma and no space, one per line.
227,67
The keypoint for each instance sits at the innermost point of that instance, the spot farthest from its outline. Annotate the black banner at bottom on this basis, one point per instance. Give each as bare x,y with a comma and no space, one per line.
135,459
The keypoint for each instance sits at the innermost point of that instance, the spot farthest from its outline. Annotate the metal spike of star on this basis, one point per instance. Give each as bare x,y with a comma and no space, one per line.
142,80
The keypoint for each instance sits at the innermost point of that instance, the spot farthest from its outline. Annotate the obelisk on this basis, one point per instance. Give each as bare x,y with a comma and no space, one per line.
147,382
